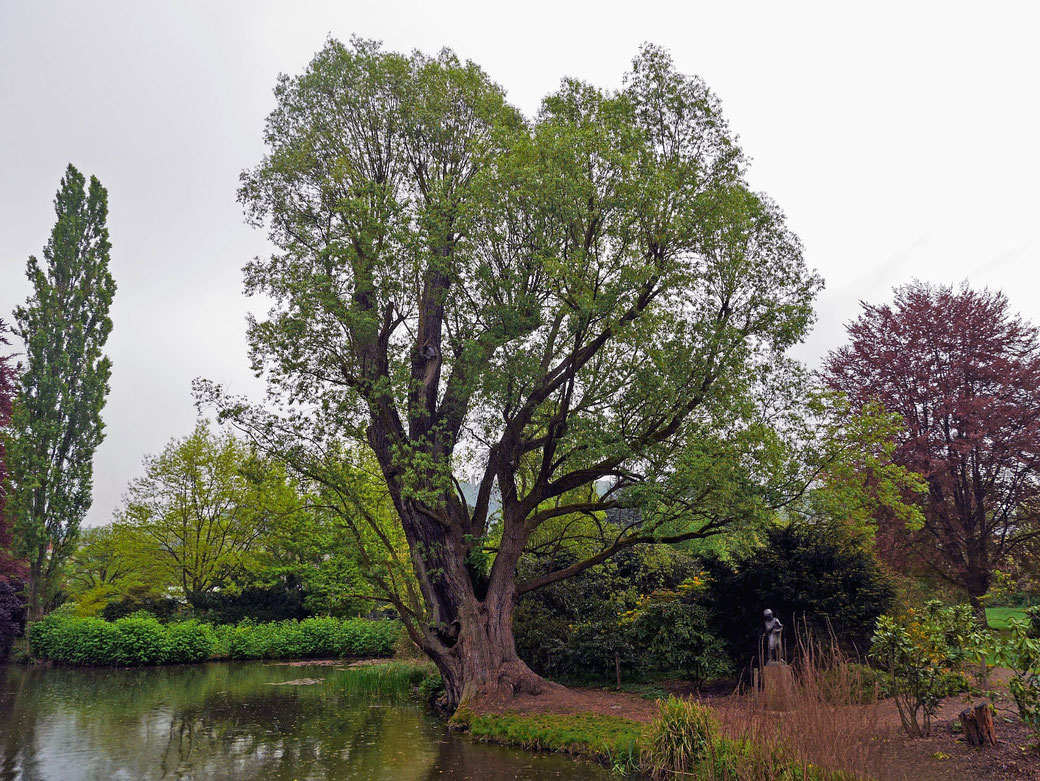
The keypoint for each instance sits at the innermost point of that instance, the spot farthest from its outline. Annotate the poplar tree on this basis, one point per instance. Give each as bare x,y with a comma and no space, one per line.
56,423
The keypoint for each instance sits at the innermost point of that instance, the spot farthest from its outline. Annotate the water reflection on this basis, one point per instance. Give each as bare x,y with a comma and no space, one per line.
226,721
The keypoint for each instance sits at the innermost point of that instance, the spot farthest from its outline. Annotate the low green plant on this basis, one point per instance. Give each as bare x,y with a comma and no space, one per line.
679,738
431,688
605,738
1020,653
64,637
140,639
922,654
386,679
190,641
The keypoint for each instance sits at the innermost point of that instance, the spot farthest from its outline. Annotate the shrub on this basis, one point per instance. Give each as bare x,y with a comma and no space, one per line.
139,598
140,639
575,629
362,637
431,688
72,640
318,636
1020,652
677,636
921,654
189,641
279,601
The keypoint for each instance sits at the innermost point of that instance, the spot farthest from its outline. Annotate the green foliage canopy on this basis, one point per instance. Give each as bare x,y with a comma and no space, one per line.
592,295
195,516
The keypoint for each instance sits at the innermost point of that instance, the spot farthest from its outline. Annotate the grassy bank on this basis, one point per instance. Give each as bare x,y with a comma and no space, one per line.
609,739
142,640
684,740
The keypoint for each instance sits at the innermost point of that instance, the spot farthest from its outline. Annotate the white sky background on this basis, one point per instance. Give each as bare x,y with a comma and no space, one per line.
901,139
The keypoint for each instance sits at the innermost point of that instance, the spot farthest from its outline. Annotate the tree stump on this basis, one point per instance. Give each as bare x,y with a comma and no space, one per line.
978,725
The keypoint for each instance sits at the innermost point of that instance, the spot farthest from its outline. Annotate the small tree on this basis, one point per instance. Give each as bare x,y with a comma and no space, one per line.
200,508
963,373
816,576
922,654
104,559
56,424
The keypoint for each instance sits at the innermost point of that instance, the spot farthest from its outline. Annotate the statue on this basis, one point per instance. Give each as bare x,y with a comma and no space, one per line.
774,644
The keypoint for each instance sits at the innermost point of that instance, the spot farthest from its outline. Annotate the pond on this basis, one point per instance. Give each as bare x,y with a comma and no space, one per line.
245,720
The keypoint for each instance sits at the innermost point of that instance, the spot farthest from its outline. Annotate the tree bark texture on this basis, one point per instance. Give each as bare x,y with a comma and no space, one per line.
978,725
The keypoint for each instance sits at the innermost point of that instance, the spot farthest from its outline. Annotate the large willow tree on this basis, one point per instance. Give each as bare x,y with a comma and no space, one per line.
578,312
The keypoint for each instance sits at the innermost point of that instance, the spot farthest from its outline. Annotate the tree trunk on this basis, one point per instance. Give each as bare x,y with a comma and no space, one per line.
978,725
482,667
34,600
977,607
469,623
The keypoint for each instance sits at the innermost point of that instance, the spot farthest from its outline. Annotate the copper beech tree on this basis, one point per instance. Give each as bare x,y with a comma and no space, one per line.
566,314
963,373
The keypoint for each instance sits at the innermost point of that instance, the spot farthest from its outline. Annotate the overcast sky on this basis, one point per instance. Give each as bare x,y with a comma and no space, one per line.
900,138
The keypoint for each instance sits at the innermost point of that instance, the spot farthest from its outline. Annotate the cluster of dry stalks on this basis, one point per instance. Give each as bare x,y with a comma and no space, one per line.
827,725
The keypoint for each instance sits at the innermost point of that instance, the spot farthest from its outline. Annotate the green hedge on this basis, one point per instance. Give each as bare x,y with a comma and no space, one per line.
140,639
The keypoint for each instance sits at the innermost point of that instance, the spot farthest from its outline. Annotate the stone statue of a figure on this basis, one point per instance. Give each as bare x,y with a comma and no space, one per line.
774,645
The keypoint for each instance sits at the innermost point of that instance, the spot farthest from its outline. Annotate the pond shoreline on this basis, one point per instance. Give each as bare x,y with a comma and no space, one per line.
225,720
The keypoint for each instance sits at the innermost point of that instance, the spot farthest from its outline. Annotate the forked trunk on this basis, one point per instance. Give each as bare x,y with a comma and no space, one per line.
468,631
482,668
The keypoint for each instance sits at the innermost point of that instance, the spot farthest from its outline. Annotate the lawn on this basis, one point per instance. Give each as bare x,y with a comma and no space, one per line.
998,616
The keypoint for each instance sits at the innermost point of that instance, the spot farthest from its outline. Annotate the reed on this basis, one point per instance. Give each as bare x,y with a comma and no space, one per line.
389,679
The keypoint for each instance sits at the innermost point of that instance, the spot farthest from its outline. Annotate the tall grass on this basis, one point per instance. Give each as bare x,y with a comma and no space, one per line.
680,738
828,722
390,679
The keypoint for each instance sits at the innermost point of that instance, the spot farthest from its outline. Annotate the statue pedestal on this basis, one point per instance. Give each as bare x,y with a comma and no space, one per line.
778,685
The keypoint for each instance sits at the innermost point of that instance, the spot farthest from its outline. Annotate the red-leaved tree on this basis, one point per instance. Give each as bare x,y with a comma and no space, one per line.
964,373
